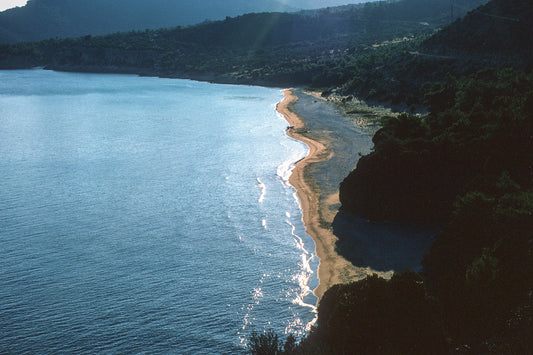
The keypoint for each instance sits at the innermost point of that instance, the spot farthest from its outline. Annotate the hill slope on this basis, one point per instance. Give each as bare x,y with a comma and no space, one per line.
405,178
314,47
41,19
498,28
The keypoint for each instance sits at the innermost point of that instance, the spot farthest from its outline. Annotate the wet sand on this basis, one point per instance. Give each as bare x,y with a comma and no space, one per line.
334,144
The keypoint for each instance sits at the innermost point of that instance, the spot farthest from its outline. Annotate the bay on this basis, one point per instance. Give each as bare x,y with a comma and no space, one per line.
147,215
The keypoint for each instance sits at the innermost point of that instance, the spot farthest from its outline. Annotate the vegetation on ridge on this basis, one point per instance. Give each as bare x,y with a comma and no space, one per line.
42,19
320,47
478,127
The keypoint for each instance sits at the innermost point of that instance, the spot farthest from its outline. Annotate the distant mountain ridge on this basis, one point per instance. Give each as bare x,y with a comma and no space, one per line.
42,19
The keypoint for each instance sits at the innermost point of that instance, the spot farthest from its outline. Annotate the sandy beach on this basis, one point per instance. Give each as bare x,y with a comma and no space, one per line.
319,206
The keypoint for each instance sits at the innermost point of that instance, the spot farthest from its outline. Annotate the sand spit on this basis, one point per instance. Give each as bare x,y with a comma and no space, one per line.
318,206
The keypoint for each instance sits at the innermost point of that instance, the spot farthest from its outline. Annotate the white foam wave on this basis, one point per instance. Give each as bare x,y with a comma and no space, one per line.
262,186
284,170
304,275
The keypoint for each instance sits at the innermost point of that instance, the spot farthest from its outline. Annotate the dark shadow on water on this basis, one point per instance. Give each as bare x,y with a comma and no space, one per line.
382,246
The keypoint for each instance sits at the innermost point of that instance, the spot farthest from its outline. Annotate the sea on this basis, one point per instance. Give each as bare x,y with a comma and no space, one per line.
147,215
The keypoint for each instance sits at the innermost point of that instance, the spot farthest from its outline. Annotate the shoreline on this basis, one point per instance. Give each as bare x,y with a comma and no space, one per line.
333,268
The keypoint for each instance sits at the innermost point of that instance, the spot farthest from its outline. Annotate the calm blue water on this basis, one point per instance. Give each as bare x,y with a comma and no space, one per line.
146,215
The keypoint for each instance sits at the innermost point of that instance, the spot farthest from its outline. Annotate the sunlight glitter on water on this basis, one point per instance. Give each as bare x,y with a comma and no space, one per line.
131,213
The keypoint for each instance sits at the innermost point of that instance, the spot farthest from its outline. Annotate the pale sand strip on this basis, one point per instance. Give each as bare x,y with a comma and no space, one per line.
333,268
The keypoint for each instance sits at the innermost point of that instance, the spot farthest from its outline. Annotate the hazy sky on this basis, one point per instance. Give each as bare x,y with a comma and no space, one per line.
7,4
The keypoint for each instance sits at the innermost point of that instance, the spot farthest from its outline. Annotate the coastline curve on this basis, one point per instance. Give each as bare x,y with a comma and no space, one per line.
333,268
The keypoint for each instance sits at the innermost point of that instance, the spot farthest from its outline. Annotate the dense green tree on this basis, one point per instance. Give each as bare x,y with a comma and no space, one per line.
378,316
478,127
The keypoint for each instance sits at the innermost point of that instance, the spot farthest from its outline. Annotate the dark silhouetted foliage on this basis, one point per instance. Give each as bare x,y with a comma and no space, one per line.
378,316
478,127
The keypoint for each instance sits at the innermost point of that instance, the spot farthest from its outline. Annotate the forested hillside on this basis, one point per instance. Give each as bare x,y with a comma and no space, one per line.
42,19
499,28
467,164
415,184
321,47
